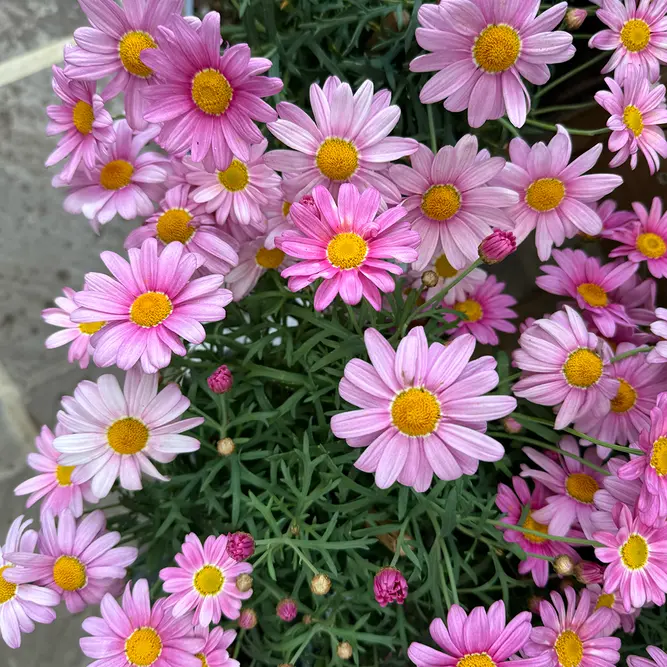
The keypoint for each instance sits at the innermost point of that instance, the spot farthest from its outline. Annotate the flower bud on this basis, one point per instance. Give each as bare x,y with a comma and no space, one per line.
307,619
512,426
389,585
496,246
294,529
429,279
344,650
574,18
225,446
309,202
220,381
563,565
587,572
247,619
240,546
320,584
534,603
286,610
244,582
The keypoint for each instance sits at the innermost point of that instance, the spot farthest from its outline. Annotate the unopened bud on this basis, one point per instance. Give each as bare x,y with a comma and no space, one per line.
574,18
429,279
244,582
563,565
534,603
307,619
320,584
225,446
294,529
496,246
247,619
221,380
344,650
587,572
286,610
512,426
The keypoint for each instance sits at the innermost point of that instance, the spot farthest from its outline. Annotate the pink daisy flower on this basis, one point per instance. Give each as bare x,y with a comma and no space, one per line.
554,193
573,635
54,485
114,432
115,46
620,618
636,35
79,562
658,355
347,246
278,217
149,305
482,51
564,365
450,202
179,219
659,658
122,182
78,335
645,238
637,109
137,635
446,275
589,282
485,311
205,580
637,557
205,101
512,503
215,653
22,605
614,493
479,639
638,298
423,409
347,143
611,218
84,120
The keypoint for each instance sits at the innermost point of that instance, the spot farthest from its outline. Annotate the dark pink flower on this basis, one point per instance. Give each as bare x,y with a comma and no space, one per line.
286,610
389,585
220,381
496,246
240,545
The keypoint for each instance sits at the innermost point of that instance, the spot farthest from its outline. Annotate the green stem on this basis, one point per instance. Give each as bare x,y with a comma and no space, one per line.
563,107
431,128
631,353
450,570
551,538
573,131
509,127
570,74
353,319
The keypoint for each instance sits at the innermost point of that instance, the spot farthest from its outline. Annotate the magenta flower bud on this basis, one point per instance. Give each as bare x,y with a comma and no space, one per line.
389,586
496,246
247,619
512,426
575,18
220,381
286,610
240,546
309,203
587,572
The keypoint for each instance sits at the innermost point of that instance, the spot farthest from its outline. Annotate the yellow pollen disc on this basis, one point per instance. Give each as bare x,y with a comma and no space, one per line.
143,647
625,398
497,48
593,295
475,660
581,487
633,119
89,328
635,35
471,309
583,368
531,524
605,600
286,208
127,436
347,250
569,649
202,657
116,174
150,308
209,580
83,117
659,456
172,225
235,178
337,158
415,412
269,259
441,202
211,92
545,194
130,47
634,552
64,475
443,268
651,245
7,589
69,573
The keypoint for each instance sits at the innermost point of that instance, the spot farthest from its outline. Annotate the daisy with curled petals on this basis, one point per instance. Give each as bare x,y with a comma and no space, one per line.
621,618
347,245
658,655
446,275
573,635
636,35
450,203
638,297
614,491
564,365
658,355
423,409
554,193
180,219
83,118
479,639
207,102
205,580
482,50
149,305
215,653
611,218
512,503
347,143
79,562
136,634
22,605
114,432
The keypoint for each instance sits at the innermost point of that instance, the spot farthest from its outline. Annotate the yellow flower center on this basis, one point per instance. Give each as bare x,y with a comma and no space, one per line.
69,573
116,174
625,398
633,119
64,475
475,660
7,589
634,552
583,368
90,328
569,649
441,202
269,259
605,600
531,524
443,268
497,48
130,48
347,250
235,177
337,158
286,208
471,309
651,245
143,647
659,456
545,194
127,436
83,117
202,657
581,487
150,308
209,580
593,295
211,92
415,412
635,35
173,225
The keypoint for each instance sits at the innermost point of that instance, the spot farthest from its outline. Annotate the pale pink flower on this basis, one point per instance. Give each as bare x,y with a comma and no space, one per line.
611,218
638,297
658,655
620,618
614,492
658,355
278,218
215,653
